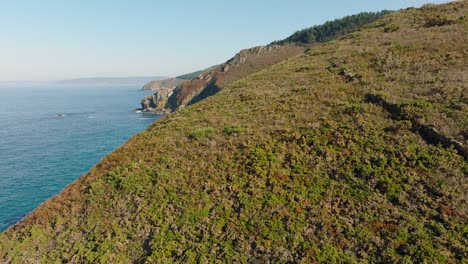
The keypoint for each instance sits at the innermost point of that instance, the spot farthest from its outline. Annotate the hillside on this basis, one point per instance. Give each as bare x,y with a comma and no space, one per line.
171,83
158,85
349,153
190,76
210,81
214,79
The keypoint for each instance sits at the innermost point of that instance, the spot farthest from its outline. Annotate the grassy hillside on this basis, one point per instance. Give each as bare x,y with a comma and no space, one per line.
292,164
158,85
190,76
210,81
171,83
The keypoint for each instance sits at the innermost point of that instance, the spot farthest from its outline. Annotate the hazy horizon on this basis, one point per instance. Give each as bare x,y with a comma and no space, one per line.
58,40
89,78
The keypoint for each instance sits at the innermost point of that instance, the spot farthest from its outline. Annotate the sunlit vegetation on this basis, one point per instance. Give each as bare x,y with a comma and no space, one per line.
287,165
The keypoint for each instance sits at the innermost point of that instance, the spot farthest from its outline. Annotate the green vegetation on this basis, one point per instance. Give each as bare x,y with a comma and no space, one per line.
391,28
201,133
436,18
190,76
333,29
234,130
290,164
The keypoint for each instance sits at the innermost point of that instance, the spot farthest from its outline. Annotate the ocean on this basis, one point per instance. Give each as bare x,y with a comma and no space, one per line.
50,136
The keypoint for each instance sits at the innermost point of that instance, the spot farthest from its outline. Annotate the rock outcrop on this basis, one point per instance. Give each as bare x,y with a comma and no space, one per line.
213,80
156,102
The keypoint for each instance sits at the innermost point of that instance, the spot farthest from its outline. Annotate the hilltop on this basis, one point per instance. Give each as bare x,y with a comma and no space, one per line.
352,151
157,85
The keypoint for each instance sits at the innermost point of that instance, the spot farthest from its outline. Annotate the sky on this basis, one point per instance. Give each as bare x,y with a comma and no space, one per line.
44,40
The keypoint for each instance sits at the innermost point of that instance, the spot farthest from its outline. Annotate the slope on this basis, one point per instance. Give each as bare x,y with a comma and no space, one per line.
158,85
214,79
290,164
171,83
190,76
248,61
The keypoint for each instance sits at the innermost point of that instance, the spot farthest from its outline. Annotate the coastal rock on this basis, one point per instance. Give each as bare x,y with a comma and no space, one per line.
155,102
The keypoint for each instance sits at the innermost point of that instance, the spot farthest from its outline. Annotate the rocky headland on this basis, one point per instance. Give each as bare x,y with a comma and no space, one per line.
165,84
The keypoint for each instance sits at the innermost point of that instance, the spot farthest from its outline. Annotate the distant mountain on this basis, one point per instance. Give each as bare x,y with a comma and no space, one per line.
111,80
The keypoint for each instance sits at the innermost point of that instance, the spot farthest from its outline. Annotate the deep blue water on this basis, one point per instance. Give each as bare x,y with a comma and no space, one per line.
51,136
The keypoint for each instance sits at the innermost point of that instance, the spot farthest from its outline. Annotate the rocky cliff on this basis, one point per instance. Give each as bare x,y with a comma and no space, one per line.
156,102
213,80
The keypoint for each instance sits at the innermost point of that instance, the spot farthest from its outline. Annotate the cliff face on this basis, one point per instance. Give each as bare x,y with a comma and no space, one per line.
163,90
212,81
327,157
156,102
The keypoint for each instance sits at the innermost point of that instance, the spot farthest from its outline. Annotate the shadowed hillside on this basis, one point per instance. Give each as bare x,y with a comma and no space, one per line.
319,158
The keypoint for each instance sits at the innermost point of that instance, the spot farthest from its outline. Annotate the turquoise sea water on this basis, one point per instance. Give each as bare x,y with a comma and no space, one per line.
50,136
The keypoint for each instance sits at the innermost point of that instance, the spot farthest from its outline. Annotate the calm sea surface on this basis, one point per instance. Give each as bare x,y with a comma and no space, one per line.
50,136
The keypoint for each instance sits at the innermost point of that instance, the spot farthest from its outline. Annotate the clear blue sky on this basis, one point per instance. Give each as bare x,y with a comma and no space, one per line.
61,39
